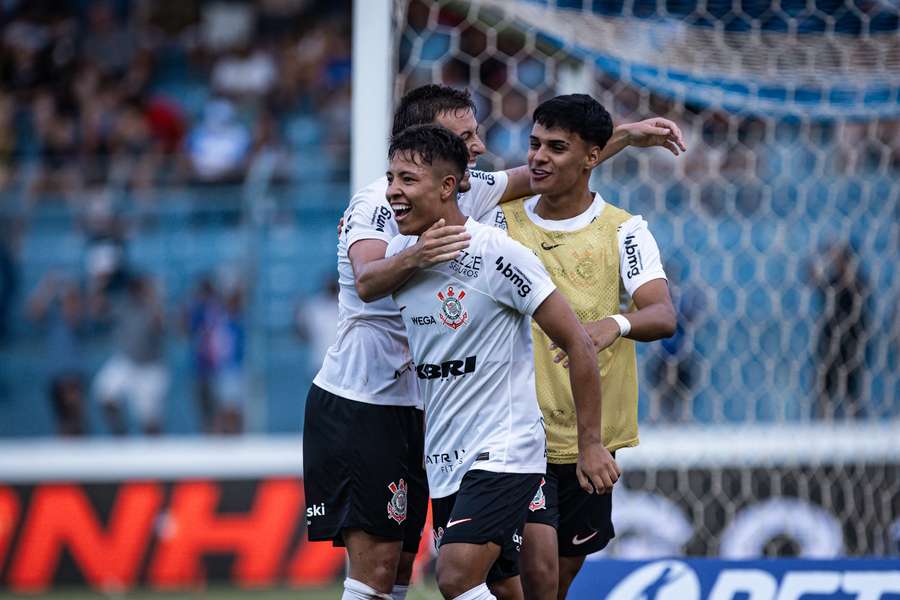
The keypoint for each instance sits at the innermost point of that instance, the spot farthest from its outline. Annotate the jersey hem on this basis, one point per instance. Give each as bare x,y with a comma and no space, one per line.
355,396
569,458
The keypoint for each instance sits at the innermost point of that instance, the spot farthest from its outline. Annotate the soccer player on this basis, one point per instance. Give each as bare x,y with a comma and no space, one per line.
362,441
469,335
594,252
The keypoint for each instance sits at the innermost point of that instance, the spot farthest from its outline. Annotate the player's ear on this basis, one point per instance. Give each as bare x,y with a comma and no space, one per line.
448,187
593,157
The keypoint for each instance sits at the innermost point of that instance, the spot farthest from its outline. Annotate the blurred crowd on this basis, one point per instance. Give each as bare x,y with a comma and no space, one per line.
146,94
107,109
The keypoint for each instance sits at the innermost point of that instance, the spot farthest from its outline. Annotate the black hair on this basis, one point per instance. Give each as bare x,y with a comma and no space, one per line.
422,105
432,143
577,113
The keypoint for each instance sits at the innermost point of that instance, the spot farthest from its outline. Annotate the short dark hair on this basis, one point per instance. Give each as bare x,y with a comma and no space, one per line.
432,143
577,113
422,105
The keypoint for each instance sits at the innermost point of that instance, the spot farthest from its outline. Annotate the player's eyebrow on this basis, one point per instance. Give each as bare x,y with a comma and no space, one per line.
554,141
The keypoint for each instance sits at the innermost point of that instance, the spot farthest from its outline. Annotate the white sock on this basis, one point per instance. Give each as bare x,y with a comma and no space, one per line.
480,592
357,590
399,592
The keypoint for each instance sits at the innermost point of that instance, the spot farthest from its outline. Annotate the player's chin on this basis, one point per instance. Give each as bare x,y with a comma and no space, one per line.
539,185
409,225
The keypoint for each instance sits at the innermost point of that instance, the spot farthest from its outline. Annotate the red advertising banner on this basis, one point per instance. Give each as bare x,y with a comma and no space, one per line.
161,534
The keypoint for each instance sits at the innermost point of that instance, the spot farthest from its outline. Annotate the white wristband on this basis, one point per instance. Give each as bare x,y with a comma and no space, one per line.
624,324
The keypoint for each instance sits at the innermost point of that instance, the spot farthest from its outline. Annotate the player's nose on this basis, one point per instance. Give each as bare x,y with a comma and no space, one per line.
476,148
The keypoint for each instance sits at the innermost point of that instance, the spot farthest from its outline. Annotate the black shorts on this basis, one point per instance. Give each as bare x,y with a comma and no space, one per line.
363,469
489,507
583,521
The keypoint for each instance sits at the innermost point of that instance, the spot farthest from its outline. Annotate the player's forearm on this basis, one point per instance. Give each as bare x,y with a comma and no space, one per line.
652,322
616,143
584,378
380,278
518,184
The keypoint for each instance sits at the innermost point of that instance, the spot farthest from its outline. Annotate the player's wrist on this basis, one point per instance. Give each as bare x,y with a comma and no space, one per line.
623,324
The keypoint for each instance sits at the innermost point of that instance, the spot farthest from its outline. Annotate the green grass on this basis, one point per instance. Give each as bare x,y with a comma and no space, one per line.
419,592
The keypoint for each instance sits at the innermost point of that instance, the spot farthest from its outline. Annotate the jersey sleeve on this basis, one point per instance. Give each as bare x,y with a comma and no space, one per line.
369,217
639,260
485,193
517,278
398,244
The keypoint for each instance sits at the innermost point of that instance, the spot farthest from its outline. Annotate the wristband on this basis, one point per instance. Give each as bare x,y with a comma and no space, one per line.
624,324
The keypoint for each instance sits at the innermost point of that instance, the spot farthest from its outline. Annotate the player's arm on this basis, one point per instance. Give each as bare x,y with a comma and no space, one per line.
642,134
376,276
597,470
653,320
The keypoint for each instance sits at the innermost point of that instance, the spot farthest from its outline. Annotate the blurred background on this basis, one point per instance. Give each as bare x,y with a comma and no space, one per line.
171,177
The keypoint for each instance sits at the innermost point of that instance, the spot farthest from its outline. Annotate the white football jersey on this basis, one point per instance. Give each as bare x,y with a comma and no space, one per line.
369,360
639,260
469,328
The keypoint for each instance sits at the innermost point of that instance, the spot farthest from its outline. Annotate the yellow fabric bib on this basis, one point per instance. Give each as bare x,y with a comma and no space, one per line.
584,265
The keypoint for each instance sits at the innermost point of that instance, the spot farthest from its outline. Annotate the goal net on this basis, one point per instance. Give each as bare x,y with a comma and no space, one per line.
770,420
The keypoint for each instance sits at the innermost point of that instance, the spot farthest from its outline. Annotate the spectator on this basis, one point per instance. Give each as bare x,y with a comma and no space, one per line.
230,381
203,313
136,372
217,338
841,344
316,321
674,371
219,146
9,274
58,304
247,75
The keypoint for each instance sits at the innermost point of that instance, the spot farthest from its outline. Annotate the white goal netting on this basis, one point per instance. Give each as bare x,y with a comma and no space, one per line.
780,232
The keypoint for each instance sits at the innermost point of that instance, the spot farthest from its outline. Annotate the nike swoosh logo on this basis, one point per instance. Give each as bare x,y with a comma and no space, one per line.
547,246
578,542
457,522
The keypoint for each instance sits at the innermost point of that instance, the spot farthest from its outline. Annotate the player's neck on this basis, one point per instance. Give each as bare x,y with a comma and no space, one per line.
453,216
557,207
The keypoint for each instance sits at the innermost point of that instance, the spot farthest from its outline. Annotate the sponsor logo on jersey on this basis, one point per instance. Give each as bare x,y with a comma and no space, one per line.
466,264
515,276
633,257
453,313
380,216
448,368
441,458
423,320
482,175
577,541
458,522
316,510
500,220
547,246
398,373
539,502
396,508
517,540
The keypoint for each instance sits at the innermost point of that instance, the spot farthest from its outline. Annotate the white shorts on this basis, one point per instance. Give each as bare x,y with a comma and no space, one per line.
144,386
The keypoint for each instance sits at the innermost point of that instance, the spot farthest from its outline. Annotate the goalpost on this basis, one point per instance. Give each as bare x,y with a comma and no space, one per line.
774,413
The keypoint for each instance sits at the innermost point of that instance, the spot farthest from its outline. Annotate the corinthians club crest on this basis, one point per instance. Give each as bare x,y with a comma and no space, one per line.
396,508
539,502
453,314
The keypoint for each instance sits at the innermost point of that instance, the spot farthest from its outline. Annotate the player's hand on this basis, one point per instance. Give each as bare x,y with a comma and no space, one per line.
340,226
596,470
655,132
440,243
603,333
